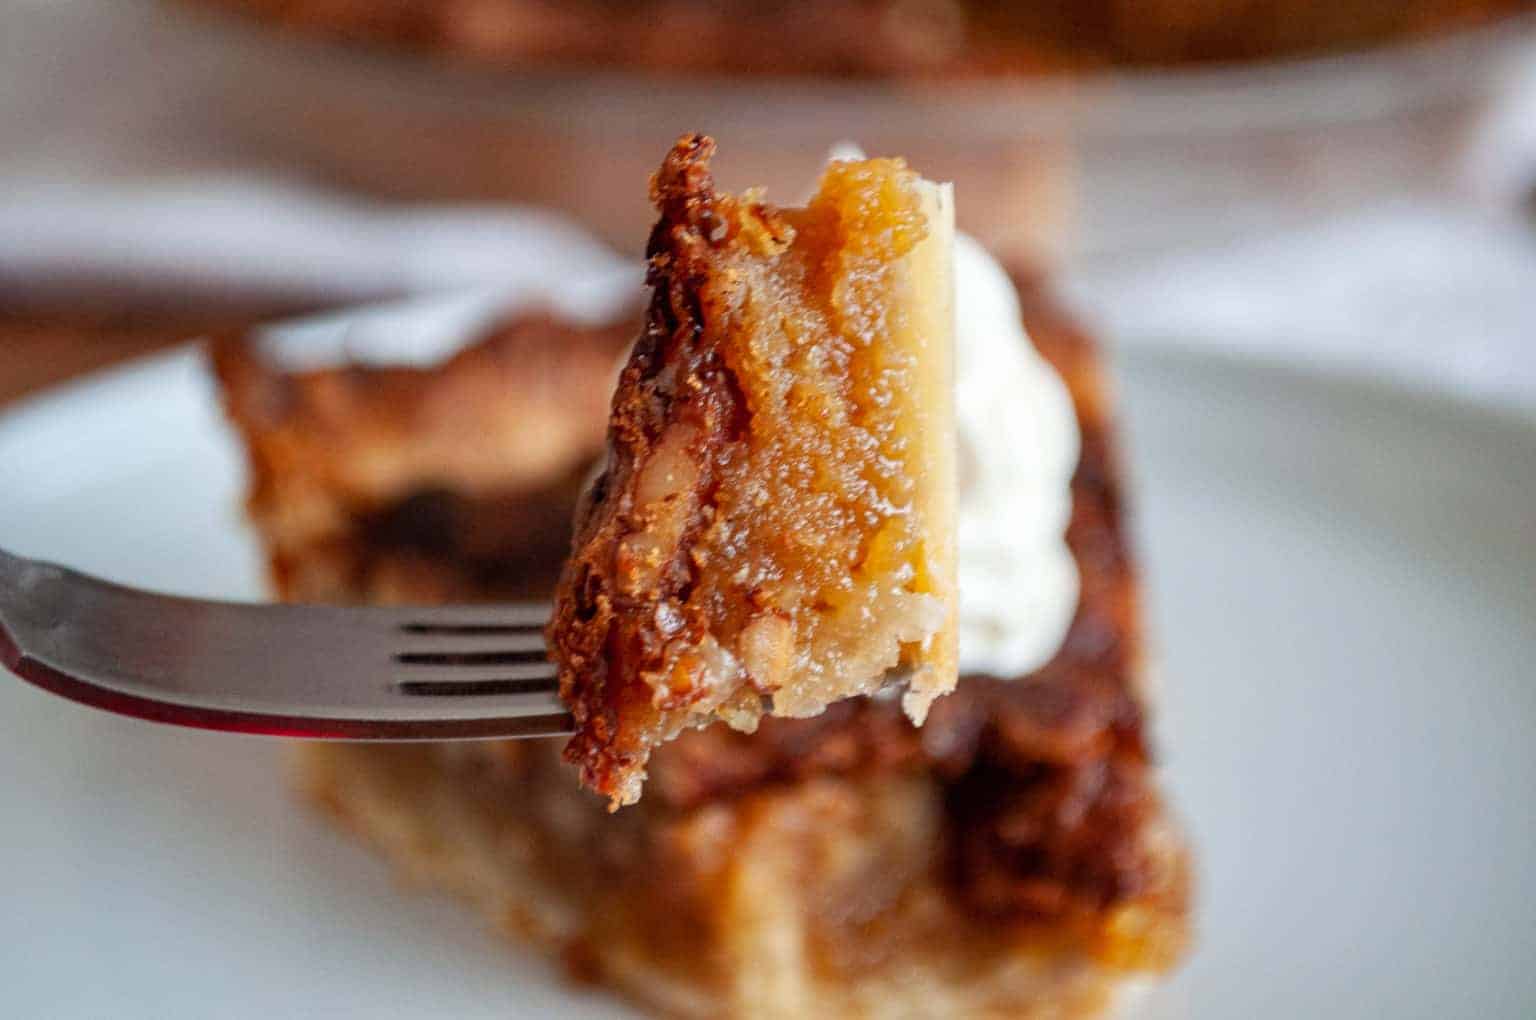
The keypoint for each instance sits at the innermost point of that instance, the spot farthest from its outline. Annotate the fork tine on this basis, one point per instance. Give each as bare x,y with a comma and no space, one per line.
503,618
524,643
423,675
498,687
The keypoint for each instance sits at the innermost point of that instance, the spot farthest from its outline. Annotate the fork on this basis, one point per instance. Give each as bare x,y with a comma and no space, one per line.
326,672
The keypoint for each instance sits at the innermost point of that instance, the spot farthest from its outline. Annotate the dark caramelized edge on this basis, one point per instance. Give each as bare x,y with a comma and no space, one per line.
605,634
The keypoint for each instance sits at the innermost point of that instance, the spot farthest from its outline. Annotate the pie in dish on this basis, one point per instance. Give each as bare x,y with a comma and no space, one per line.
871,38
774,529
1011,858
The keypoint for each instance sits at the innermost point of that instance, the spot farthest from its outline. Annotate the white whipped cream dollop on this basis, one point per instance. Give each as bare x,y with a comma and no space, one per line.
1019,446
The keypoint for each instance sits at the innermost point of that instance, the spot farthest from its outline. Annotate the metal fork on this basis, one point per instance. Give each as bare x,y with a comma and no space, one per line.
330,672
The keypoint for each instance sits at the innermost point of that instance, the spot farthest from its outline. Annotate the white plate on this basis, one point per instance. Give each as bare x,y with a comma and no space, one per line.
1340,582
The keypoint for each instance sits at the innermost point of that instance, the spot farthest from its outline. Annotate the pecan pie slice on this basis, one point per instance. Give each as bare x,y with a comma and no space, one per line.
774,529
1013,858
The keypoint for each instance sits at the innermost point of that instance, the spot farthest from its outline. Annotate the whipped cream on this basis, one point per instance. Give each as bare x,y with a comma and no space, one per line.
1019,446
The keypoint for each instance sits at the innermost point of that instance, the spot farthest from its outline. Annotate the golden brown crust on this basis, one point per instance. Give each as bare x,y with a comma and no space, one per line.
871,38
777,474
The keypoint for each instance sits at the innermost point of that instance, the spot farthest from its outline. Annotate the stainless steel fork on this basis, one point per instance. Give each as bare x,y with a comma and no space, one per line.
330,672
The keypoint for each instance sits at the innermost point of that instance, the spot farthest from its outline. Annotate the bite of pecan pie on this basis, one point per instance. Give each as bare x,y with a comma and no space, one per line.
774,527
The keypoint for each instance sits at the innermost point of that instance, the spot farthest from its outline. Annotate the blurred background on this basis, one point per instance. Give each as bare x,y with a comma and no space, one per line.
1350,180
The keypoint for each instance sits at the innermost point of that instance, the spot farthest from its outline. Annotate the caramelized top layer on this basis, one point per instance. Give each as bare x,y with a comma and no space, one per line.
764,528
